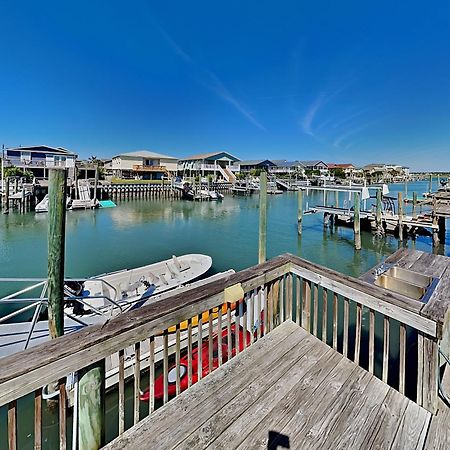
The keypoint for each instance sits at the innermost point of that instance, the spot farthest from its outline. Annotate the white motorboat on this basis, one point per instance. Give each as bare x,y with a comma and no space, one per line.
42,206
131,288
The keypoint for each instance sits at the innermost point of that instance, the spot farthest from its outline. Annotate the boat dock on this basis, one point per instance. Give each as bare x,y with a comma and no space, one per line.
321,360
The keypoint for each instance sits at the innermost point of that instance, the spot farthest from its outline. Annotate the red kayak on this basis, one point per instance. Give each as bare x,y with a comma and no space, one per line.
159,382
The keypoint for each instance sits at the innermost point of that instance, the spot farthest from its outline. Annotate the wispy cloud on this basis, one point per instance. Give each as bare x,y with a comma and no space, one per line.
307,121
344,136
222,92
211,81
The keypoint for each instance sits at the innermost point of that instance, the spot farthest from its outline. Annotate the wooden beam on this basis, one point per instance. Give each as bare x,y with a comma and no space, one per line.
400,216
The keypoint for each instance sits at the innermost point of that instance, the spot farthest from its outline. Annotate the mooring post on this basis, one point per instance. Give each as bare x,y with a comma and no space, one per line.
356,222
435,223
262,217
400,216
300,211
22,205
96,183
336,199
6,197
379,206
414,214
91,407
430,185
406,188
56,241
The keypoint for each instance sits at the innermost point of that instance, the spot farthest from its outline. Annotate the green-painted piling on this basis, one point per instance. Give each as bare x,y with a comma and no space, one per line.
56,242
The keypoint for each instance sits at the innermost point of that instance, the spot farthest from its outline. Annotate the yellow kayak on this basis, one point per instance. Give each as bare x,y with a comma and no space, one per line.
205,317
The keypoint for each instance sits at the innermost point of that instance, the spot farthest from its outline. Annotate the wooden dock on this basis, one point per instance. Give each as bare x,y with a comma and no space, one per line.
318,359
289,390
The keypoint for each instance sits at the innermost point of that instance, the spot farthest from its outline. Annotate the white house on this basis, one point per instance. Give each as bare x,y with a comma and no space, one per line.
143,164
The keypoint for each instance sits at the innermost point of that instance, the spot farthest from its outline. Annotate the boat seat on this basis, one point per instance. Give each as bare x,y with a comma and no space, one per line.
180,265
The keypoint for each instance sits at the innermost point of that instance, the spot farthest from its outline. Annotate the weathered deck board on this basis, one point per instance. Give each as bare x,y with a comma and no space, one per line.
287,386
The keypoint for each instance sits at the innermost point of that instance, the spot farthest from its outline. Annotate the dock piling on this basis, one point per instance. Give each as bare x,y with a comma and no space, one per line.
414,212
6,197
378,211
300,212
400,216
356,222
56,241
262,217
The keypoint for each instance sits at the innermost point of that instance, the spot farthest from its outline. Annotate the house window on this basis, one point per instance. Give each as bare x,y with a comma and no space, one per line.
25,157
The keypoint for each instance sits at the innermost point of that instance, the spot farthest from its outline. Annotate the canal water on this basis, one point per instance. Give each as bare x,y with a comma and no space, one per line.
140,232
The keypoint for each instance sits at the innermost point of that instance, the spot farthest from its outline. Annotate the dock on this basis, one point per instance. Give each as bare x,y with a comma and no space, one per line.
309,357
289,390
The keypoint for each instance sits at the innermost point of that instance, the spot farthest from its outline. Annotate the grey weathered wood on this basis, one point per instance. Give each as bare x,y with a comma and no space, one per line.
166,364
151,363
62,404
371,340
335,319
91,410
12,425
56,250
262,217
121,392
345,326
386,341
378,208
402,359
137,380
210,341
324,315
38,419
297,301
306,304
358,326
430,374
316,308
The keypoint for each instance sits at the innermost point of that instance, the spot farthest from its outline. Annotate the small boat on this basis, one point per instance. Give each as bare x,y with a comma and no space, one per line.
204,353
131,288
215,196
42,206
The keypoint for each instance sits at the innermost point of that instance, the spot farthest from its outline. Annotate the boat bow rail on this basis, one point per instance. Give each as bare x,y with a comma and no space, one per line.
353,317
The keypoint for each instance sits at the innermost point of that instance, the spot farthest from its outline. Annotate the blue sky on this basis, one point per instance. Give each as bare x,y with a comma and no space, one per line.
347,81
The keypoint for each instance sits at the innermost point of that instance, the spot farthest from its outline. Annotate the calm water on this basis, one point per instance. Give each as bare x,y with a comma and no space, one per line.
139,232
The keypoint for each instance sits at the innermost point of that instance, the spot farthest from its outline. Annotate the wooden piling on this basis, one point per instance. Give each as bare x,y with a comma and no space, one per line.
95,183
379,207
400,216
414,204
262,217
56,241
356,222
6,197
435,223
430,185
91,407
300,212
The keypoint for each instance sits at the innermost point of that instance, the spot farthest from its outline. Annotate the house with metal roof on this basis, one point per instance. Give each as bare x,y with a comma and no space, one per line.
255,164
39,158
314,165
143,164
284,167
220,165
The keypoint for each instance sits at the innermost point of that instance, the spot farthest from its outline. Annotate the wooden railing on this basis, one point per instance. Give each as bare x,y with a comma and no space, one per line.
218,321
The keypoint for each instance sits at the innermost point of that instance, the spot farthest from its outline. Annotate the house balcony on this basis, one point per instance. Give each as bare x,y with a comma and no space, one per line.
142,168
36,163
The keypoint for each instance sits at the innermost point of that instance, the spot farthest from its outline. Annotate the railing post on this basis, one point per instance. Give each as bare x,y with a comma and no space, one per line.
6,197
56,241
300,211
262,217
356,222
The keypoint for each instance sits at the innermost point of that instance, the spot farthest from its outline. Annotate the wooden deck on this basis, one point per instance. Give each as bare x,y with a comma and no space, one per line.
288,390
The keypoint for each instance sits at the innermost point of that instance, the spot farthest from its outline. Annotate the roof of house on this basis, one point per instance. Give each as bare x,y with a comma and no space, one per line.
210,155
256,162
285,163
312,163
340,166
146,154
42,149
373,166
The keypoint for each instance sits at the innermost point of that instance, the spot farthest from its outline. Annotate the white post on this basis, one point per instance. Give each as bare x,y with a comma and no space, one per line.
3,170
